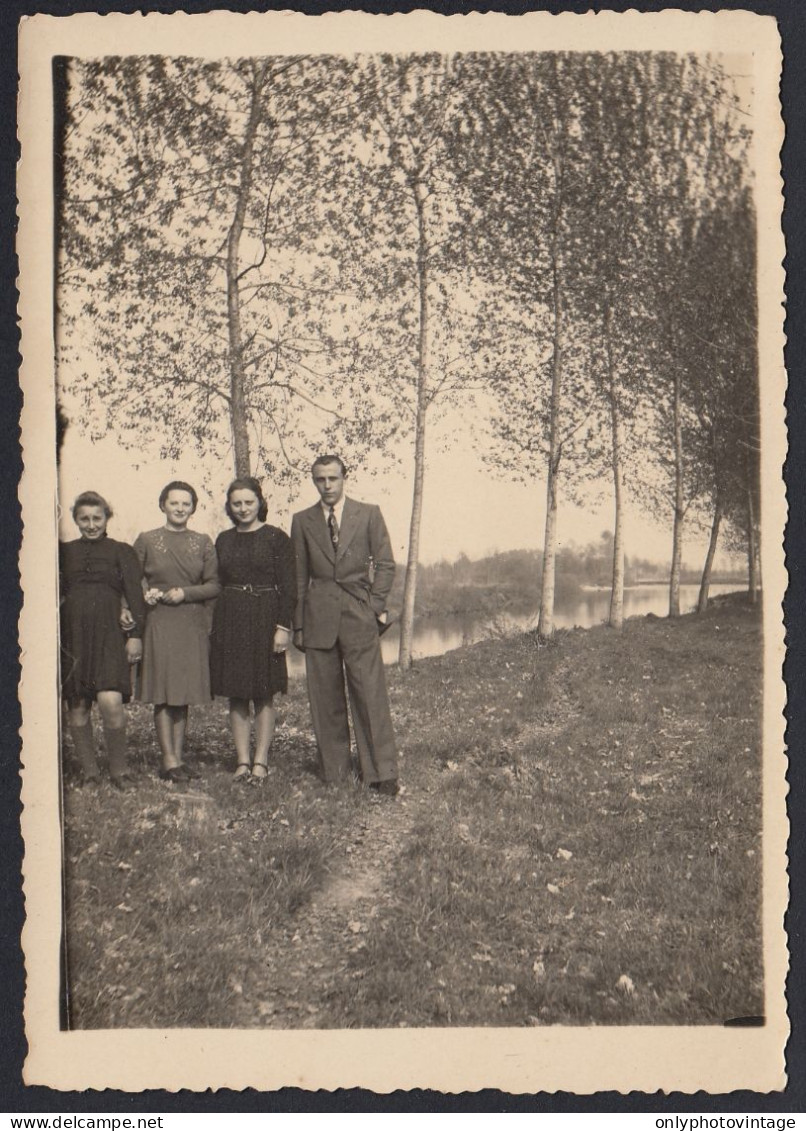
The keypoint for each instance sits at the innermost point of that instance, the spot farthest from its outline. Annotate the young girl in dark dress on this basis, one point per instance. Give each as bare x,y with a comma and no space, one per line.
96,576
252,623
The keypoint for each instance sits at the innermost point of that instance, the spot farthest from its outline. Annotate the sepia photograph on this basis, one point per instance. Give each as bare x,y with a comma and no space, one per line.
403,560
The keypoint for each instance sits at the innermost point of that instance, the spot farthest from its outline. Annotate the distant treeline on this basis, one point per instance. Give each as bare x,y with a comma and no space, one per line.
512,579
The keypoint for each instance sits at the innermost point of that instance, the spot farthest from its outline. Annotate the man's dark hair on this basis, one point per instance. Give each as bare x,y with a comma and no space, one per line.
329,459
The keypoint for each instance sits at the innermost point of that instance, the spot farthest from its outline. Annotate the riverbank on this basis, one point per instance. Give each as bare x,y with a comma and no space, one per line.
479,600
578,842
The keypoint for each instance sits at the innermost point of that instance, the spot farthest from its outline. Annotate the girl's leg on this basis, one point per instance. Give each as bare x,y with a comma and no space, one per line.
79,717
241,728
110,704
265,719
179,717
164,726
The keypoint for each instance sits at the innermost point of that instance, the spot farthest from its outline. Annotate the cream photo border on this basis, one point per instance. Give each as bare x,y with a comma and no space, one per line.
579,1059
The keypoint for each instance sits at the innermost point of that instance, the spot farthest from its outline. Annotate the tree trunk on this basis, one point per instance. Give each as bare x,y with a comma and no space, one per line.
705,582
752,549
545,623
617,437
679,507
410,586
238,411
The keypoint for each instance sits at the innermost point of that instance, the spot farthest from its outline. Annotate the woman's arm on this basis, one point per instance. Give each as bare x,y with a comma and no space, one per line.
286,580
132,579
209,586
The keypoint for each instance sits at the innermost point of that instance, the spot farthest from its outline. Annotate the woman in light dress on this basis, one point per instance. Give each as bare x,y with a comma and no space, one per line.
181,576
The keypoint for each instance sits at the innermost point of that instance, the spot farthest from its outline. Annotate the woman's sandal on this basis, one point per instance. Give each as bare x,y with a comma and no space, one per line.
242,773
174,774
259,778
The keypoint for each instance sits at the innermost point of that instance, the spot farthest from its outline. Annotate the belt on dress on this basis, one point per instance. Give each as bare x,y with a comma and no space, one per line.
255,590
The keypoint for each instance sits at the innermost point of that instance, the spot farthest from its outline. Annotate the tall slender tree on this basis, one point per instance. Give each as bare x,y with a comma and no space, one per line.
406,211
702,150
195,304
523,158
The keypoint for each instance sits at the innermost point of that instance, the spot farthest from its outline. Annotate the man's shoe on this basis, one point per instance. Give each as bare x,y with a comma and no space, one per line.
388,788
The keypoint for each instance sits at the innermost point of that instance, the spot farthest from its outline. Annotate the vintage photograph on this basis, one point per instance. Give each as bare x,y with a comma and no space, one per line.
413,537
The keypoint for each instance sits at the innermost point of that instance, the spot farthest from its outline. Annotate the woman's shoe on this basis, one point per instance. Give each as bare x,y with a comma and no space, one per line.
242,774
260,772
174,774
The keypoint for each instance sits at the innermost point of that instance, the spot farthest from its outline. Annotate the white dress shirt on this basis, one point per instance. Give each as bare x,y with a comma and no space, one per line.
338,509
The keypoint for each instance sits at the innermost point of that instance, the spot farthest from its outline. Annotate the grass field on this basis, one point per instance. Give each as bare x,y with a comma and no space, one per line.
578,842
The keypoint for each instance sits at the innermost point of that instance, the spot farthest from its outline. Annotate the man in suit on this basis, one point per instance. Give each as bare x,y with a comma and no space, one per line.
345,569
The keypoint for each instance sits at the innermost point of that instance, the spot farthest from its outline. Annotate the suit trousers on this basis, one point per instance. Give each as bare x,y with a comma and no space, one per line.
356,654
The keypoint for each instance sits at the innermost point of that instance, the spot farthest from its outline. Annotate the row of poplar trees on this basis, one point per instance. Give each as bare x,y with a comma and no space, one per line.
277,256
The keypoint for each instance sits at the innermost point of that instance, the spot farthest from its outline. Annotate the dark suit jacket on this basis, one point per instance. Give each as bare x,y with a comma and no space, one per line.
364,566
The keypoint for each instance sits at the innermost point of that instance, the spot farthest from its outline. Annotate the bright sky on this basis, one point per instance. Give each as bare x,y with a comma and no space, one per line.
466,508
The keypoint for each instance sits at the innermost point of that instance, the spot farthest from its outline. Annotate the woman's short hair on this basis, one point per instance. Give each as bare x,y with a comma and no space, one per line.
178,485
247,483
92,499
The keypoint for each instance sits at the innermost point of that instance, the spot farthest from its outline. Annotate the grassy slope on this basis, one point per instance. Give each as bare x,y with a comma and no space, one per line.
578,843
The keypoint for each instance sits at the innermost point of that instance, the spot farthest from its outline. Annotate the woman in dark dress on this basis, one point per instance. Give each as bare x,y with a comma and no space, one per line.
98,575
252,623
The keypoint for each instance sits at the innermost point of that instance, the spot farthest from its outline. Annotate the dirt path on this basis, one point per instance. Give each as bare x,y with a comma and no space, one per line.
288,984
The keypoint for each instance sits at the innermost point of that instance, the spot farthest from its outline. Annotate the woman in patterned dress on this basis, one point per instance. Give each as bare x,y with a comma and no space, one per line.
97,575
181,575
252,623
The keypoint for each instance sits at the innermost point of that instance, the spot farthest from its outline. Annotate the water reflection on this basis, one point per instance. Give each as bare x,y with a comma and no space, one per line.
436,635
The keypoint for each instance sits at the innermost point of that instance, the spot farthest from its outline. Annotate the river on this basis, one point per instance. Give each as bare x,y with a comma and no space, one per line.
435,635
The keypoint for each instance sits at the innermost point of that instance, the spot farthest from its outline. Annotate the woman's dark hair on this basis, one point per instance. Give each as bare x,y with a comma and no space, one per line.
247,483
178,485
92,499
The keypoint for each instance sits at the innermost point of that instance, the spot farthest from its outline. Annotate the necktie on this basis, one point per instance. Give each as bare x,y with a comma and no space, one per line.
333,527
